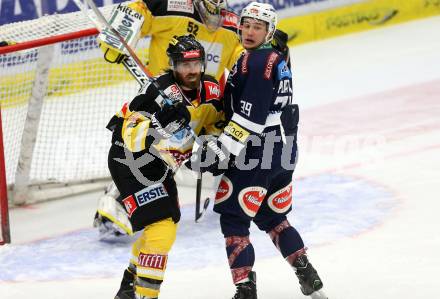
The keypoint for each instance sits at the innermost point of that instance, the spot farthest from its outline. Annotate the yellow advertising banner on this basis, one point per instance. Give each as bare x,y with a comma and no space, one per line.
356,17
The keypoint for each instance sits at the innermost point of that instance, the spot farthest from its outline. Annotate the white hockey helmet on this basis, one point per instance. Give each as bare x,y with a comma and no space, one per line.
211,12
263,12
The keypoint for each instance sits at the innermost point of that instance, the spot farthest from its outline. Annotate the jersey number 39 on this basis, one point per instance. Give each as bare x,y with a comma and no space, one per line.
246,108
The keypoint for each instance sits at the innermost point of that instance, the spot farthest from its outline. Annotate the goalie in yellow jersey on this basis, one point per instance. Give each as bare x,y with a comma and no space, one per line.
208,21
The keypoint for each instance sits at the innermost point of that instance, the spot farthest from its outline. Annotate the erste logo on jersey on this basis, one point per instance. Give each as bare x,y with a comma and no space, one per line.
250,199
150,194
212,91
224,190
181,5
281,200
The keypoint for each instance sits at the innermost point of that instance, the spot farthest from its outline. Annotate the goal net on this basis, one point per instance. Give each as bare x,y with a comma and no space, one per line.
57,95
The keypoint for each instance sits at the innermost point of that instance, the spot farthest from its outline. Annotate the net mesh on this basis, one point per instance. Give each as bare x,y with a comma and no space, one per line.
83,93
48,26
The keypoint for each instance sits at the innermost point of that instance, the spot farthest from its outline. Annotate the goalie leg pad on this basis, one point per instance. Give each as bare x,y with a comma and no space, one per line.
110,209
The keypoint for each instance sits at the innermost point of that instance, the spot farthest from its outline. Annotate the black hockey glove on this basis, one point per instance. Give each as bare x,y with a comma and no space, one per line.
279,42
210,157
290,119
170,119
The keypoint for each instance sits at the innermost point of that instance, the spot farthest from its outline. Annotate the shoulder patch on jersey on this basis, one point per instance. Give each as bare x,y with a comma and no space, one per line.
212,91
230,19
269,65
244,63
181,6
173,92
283,70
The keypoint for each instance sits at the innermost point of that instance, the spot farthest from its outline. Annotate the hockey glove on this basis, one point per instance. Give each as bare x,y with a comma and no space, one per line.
289,119
170,119
211,157
279,42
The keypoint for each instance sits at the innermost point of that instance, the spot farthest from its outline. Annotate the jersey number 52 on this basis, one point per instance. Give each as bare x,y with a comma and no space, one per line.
192,28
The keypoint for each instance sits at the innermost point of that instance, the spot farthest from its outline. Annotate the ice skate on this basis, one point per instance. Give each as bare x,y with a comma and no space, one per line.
126,290
248,289
309,280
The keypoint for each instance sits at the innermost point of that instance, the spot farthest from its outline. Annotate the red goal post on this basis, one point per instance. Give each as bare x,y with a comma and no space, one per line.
5,236
57,94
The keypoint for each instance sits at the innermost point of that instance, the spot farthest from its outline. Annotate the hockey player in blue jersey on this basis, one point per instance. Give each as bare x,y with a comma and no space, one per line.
260,138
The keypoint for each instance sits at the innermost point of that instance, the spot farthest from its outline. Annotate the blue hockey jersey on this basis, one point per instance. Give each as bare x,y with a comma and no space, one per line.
258,87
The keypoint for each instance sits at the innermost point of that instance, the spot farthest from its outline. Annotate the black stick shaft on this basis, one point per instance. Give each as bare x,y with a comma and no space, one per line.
198,195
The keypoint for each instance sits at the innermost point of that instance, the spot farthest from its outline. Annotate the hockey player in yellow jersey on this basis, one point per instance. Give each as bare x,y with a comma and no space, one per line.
148,130
211,24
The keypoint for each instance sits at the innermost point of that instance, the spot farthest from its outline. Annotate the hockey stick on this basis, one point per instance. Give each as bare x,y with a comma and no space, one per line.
199,214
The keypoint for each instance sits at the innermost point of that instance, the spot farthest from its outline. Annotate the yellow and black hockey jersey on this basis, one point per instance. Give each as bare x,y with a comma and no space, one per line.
131,124
164,19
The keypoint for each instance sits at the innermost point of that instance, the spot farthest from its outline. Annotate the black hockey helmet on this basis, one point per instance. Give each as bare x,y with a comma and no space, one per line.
185,47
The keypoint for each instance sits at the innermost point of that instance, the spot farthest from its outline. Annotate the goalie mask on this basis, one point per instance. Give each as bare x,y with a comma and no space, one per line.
187,60
211,12
263,12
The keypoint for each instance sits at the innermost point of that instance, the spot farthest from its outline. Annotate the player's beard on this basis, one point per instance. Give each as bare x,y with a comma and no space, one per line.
190,81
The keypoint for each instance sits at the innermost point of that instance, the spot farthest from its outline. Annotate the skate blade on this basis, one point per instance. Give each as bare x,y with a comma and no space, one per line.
318,295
